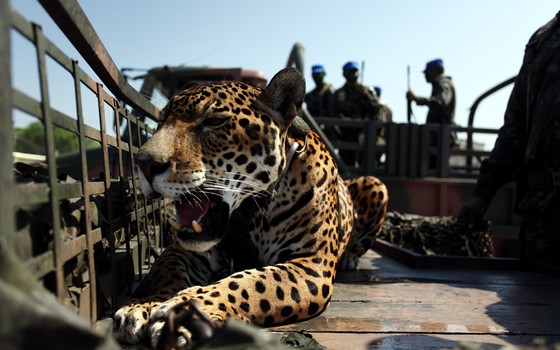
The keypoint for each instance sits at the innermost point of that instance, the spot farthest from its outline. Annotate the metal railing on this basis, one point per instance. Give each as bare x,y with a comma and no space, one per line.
408,150
95,228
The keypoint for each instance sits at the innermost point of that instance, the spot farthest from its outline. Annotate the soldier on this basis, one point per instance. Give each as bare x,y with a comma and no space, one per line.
318,99
528,150
441,103
353,101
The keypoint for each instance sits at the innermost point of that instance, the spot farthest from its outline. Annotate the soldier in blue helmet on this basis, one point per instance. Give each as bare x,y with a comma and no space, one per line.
318,99
442,101
441,104
353,101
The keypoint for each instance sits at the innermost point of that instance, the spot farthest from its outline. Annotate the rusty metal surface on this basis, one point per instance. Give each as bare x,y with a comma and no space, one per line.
51,158
388,305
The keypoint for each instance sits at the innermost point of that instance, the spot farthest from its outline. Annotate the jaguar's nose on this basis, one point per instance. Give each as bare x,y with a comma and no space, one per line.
149,166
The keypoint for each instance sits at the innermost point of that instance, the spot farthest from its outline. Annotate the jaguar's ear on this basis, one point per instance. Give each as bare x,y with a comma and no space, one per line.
285,94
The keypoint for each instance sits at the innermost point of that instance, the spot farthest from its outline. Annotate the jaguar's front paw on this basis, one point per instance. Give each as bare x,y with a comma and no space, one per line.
176,323
169,339
166,329
131,323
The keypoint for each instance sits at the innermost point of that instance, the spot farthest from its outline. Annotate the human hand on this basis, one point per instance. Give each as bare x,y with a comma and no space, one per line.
410,96
472,213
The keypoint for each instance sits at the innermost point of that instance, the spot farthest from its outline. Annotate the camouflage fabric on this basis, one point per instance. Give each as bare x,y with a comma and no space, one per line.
355,101
385,113
527,143
385,116
318,100
540,235
301,340
522,140
442,236
441,102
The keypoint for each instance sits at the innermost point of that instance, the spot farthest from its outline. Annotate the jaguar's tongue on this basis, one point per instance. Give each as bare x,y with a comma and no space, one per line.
191,213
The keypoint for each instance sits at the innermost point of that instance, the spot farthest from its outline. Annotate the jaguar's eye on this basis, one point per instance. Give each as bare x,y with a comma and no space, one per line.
213,122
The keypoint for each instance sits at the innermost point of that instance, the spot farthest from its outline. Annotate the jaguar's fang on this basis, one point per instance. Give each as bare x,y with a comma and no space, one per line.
196,227
174,224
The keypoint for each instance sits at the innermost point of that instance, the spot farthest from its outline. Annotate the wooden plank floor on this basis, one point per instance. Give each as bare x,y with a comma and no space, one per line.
387,305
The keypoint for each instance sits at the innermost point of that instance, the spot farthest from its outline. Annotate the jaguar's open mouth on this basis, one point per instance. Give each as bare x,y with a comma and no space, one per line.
200,223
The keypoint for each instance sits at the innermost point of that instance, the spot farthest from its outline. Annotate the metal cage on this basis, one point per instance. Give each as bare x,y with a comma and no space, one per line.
78,221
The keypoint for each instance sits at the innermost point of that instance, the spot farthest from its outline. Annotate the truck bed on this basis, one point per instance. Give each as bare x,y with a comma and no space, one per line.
389,305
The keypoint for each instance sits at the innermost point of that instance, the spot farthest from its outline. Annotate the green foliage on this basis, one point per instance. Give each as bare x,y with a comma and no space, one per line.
31,139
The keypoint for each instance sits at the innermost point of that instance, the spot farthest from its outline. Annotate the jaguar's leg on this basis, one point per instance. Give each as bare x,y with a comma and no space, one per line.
174,270
370,198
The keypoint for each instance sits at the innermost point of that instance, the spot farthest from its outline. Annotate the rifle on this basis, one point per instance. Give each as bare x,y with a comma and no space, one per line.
408,103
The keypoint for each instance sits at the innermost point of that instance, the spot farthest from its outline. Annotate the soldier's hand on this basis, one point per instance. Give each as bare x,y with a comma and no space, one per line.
472,213
410,96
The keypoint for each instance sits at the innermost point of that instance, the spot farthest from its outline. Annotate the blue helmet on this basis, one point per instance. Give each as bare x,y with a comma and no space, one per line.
350,65
438,62
317,69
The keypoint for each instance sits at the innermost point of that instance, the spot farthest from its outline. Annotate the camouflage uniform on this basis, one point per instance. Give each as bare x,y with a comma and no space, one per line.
441,102
318,100
385,113
357,102
385,116
528,145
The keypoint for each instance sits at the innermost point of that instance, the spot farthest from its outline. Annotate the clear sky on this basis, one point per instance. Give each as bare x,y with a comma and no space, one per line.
480,41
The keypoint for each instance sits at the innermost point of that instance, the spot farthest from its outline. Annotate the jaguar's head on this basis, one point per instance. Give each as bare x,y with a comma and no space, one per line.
219,144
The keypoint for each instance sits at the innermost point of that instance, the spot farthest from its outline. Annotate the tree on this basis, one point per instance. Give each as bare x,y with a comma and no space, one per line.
31,139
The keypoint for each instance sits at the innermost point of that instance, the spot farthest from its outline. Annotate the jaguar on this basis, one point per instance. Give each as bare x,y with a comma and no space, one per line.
264,220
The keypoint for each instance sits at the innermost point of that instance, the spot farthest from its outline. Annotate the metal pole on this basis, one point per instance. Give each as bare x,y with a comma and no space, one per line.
296,58
408,103
362,72
473,111
7,192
